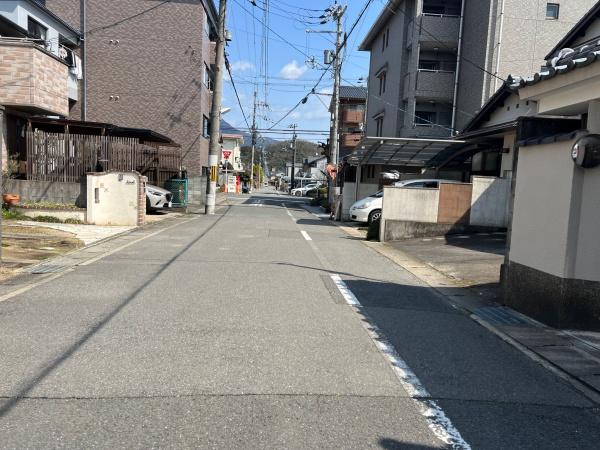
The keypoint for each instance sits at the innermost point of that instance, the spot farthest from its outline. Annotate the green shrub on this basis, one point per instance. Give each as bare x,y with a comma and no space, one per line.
11,214
48,219
373,230
43,204
74,221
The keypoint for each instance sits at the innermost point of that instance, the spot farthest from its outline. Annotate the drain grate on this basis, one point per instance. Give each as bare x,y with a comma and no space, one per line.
51,267
500,315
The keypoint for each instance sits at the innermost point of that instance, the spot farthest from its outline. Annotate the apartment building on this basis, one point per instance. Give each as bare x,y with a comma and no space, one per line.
353,101
434,63
40,71
148,65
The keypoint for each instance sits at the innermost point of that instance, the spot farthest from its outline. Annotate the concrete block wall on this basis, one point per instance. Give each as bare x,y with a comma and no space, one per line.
50,191
114,198
29,76
417,205
489,202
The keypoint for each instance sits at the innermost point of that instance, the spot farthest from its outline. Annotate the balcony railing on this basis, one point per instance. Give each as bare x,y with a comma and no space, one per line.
352,116
33,78
351,139
435,85
439,28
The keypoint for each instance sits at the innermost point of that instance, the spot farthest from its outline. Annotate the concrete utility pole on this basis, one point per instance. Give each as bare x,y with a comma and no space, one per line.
2,144
337,12
253,144
293,126
215,114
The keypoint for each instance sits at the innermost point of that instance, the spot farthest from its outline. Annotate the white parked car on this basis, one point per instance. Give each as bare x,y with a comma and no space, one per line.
369,209
299,192
157,198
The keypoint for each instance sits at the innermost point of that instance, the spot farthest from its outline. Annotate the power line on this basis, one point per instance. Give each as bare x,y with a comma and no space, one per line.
344,42
235,90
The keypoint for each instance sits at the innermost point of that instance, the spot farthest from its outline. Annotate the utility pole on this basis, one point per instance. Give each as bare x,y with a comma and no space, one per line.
214,150
336,12
293,126
253,144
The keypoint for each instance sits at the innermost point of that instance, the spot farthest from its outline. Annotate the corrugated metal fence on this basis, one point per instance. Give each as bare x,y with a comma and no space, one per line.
67,157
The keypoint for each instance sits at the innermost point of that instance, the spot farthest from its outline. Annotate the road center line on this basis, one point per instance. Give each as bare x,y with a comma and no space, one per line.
438,422
306,236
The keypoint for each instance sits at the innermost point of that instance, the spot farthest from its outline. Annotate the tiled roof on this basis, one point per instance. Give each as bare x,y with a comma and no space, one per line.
353,92
577,31
566,61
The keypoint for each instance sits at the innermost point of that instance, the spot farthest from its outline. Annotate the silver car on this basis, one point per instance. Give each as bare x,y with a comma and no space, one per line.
157,198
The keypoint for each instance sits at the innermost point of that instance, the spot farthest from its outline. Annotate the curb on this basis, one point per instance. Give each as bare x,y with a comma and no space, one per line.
468,303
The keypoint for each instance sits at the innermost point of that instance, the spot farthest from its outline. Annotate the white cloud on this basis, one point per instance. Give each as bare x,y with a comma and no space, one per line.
293,71
242,66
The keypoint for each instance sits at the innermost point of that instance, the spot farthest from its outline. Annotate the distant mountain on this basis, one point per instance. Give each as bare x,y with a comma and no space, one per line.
227,128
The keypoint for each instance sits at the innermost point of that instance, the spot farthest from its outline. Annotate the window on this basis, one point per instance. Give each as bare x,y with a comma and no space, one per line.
36,29
424,117
208,78
379,124
206,24
385,39
205,127
382,79
552,11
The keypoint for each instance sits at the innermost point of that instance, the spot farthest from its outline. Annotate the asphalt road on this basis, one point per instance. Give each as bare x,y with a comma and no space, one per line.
230,332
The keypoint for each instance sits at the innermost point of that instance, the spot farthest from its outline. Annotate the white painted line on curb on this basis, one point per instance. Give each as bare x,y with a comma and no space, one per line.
118,249
306,236
346,293
436,419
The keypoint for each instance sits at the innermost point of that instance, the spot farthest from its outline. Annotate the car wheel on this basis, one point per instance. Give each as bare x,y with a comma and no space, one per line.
374,215
298,194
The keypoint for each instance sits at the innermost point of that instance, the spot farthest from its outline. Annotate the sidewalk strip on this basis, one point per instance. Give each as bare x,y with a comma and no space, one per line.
438,422
306,236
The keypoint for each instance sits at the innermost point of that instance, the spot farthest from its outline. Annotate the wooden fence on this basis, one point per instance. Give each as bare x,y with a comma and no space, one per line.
68,157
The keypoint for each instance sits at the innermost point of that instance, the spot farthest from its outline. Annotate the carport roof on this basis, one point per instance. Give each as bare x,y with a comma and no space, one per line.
398,151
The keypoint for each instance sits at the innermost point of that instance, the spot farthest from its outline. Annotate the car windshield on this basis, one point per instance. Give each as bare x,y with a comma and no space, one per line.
377,194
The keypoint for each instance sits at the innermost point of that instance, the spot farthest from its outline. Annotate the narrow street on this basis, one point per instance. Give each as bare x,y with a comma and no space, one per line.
265,326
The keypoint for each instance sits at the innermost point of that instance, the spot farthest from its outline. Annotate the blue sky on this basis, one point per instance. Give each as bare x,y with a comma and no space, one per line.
289,77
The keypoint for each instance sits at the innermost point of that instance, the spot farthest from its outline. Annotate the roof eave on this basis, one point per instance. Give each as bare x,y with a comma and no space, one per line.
381,20
580,26
77,34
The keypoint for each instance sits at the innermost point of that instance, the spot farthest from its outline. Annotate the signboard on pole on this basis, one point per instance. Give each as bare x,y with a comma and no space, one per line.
226,154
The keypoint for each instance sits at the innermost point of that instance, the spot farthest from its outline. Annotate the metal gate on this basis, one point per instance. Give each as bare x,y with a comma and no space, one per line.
179,189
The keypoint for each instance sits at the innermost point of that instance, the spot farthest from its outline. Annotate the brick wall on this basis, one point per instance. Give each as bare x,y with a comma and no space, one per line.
141,212
155,69
31,77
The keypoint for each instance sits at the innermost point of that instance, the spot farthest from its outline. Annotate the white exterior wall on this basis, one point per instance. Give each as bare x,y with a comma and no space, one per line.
542,206
587,265
489,202
410,204
506,164
17,11
117,198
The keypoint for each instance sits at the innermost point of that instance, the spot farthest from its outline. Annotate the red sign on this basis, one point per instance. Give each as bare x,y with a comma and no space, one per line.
226,154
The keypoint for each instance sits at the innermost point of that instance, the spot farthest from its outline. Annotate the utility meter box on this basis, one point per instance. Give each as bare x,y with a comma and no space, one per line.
116,198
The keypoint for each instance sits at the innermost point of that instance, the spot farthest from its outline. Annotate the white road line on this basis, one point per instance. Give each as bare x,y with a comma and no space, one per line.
437,421
306,236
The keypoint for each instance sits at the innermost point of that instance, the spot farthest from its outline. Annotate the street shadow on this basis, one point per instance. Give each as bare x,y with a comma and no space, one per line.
393,444
481,242
27,386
